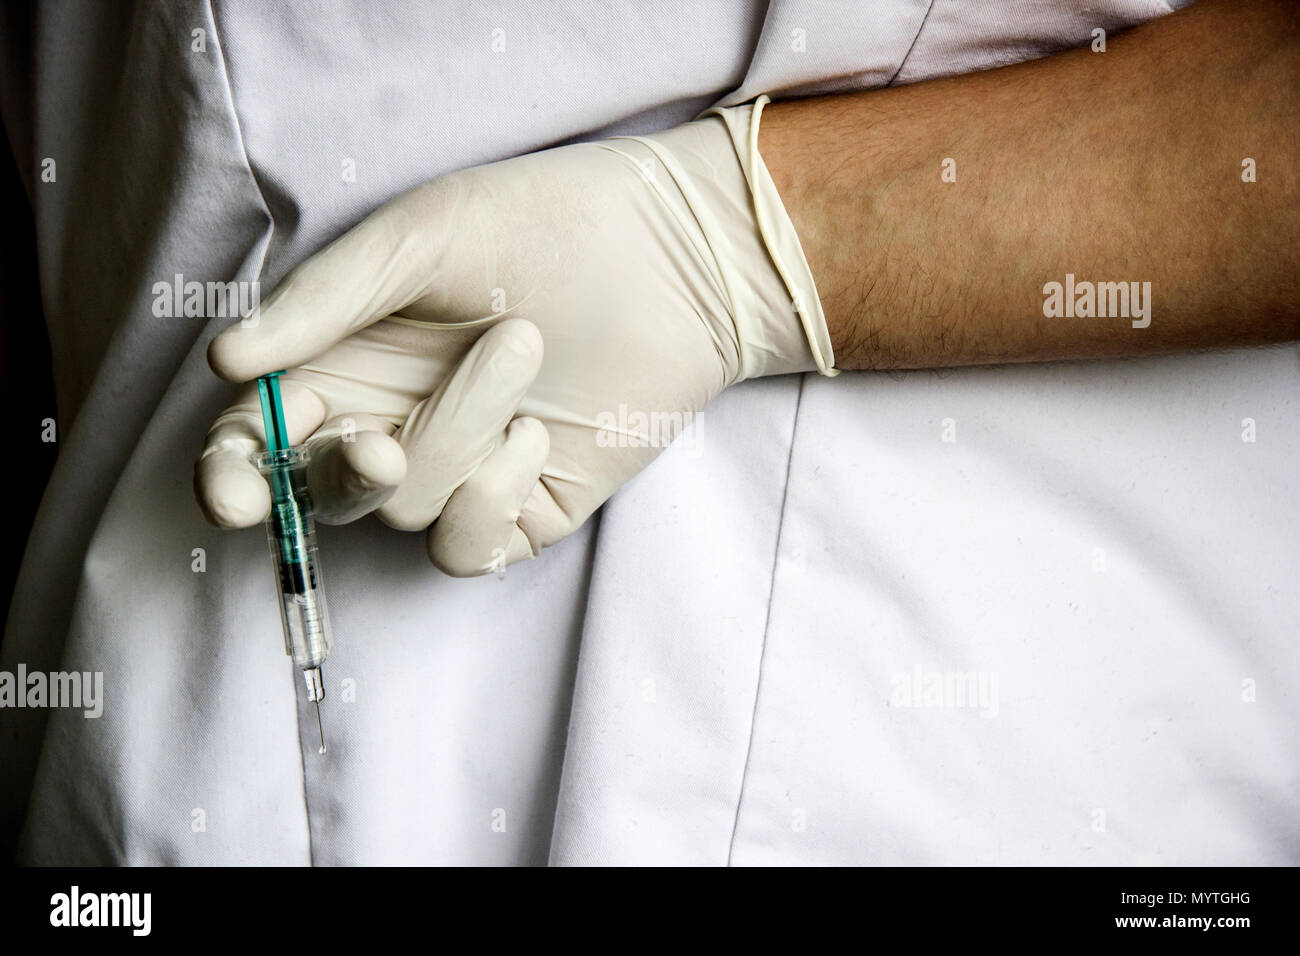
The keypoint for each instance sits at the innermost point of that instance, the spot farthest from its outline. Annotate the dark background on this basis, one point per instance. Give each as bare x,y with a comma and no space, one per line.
28,386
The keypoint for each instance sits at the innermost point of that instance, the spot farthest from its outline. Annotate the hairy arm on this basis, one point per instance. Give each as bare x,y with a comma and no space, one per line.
1122,166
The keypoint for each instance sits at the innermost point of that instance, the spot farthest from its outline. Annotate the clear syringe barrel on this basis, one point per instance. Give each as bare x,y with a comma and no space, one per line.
291,536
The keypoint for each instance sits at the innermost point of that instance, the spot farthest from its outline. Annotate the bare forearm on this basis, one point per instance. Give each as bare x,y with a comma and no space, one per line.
1115,167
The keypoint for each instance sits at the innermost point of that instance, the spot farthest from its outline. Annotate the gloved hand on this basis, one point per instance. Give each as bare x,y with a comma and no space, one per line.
484,356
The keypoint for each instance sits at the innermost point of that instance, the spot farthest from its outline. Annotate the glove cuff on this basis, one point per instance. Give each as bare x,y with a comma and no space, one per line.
778,231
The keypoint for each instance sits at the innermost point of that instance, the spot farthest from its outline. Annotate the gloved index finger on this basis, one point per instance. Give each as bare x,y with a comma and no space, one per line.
380,266
230,490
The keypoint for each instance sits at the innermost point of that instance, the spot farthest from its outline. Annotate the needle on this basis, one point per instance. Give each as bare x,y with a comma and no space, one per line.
320,727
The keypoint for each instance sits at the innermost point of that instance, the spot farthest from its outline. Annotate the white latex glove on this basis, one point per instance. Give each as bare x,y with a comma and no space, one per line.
457,360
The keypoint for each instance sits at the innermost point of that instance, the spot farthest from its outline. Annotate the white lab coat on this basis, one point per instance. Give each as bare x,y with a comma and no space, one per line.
733,662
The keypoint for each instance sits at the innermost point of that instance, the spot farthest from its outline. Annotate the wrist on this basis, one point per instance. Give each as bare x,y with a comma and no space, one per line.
797,152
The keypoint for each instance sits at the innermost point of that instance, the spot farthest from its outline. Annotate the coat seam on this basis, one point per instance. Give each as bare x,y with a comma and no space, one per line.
911,46
261,265
767,623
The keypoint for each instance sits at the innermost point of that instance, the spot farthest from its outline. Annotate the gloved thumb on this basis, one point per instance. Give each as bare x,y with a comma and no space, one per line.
368,273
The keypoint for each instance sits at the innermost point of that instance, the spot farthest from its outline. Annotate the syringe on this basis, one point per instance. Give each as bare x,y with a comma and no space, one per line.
291,534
